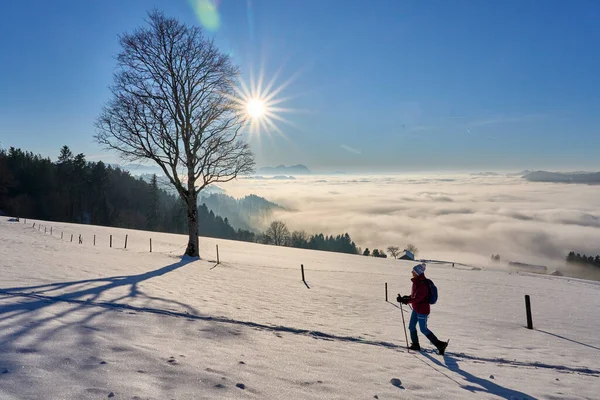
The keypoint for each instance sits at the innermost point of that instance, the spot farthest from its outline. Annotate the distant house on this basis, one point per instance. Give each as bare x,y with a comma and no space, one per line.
407,255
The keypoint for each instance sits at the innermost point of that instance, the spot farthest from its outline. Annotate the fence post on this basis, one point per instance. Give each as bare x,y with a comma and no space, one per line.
302,268
45,230
386,292
126,241
218,254
34,224
528,311
94,240
50,231
61,235
110,241
80,239
150,245
71,237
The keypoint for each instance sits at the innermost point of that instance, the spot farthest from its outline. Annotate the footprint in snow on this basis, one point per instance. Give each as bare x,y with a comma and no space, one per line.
172,360
240,385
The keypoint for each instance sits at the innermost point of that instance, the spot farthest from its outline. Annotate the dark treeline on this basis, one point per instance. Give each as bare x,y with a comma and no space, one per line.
583,259
74,190
278,234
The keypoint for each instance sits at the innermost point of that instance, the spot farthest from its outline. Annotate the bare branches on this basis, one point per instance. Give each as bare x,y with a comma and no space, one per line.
172,102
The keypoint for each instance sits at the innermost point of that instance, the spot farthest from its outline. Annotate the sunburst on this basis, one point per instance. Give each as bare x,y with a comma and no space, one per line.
260,104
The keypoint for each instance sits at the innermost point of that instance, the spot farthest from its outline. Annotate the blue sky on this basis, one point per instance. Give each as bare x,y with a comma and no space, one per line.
383,85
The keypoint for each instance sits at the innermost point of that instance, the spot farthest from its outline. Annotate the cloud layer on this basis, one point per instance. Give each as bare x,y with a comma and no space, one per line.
462,218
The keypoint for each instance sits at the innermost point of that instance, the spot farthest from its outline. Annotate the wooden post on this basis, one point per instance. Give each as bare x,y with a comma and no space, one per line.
302,268
45,230
80,239
50,231
126,241
386,296
110,241
528,311
150,245
94,240
218,254
71,237
61,235
34,224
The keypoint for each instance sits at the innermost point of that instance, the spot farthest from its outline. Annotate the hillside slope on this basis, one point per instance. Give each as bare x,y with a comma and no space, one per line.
84,321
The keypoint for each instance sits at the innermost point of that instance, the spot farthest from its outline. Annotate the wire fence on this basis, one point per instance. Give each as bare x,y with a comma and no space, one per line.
117,241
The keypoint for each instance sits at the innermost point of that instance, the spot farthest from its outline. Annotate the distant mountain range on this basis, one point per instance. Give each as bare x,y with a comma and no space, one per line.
590,178
164,184
485,174
276,177
284,170
580,177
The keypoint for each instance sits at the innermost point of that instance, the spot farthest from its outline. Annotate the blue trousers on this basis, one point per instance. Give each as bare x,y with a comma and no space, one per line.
421,319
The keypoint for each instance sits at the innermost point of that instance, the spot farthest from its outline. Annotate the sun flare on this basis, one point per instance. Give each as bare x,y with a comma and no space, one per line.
260,102
255,108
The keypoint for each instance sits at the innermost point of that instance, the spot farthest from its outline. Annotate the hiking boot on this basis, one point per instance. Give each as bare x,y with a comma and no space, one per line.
415,347
441,346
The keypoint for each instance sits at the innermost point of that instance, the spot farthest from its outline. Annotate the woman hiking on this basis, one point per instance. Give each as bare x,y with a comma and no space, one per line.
419,299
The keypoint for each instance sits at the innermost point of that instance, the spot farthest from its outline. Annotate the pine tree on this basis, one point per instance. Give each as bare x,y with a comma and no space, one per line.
152,215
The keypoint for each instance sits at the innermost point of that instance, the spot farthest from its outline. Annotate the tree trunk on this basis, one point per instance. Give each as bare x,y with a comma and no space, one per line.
192,212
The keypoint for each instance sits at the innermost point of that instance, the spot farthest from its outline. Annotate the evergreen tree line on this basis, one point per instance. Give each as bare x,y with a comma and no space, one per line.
374,253
583,259
278,234
75,190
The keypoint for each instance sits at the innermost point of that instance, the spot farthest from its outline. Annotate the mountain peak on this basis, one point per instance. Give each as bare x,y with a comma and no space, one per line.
298,169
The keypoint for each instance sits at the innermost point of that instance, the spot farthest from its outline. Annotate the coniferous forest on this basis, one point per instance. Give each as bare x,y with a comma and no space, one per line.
72,189
75,190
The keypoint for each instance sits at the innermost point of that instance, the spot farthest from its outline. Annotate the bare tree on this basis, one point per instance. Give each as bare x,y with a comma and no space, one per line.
278,233
173,103
412,248
394,251
299,239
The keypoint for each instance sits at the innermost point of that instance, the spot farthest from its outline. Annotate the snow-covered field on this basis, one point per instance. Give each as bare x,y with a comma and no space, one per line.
80,321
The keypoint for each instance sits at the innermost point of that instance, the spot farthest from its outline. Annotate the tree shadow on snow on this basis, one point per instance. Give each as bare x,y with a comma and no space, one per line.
74,314
475,383
28,319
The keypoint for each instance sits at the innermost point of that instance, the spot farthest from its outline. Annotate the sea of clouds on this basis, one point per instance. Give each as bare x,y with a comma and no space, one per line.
461,218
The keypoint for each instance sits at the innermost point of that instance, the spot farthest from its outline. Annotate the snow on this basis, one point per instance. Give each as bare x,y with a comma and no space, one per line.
85,321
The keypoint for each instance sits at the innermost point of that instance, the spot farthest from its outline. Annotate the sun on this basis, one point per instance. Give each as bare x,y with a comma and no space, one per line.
259,101
255,108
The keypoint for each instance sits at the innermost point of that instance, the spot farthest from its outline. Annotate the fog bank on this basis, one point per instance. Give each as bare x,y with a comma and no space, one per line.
460,218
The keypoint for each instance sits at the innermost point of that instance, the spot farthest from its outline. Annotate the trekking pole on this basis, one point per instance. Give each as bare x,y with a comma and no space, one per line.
404,324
